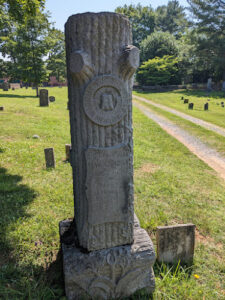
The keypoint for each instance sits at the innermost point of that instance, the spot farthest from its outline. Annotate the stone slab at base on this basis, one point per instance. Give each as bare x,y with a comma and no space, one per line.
109,273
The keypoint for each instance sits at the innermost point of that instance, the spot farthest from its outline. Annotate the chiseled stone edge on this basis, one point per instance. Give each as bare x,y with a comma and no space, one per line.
94,275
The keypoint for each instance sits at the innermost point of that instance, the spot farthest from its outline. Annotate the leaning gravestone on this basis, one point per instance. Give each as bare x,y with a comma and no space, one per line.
44,101
106,254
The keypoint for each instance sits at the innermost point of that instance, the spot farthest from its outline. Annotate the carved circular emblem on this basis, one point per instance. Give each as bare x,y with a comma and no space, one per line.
105,100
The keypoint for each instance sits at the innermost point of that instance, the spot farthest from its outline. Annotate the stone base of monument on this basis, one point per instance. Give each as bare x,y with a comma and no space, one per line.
109,273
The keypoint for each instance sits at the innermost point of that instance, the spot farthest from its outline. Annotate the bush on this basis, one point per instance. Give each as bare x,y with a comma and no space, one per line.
159,71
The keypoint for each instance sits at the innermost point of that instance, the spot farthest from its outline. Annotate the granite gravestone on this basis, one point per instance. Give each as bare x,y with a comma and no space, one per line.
209,85
105,253
190,105
44,101
49,157
175,243
206,106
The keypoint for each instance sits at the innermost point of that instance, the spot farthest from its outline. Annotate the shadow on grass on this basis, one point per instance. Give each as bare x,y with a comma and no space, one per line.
20,280
16,96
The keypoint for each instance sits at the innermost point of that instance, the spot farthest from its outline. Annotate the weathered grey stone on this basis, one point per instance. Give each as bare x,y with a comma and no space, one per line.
49,158
35,136
175,243
5,86
52,99
1,107
44,97
209,84
190,105
223,86
68,149
206,106
109,273
101,62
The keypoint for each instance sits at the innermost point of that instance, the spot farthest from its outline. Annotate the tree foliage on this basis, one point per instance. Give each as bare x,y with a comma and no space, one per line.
171,18
158,44
159,71
208,35
142,19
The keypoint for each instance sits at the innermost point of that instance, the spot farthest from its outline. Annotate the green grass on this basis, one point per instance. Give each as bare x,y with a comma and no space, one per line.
208,137
171,186
215,114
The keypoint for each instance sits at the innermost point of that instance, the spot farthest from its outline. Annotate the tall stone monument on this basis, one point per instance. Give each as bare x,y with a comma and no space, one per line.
105,252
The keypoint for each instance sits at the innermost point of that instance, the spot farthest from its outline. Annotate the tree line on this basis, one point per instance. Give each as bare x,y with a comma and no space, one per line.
177,44
34,48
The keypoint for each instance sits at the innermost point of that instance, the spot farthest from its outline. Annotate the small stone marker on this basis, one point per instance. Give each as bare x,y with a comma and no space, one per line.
206,106
209,85
52,99
190,105
44,98
119,256
68,149
182,98
49,158
1,107
5,86
186,101
175,243
222,105
208,99
35,136
223,86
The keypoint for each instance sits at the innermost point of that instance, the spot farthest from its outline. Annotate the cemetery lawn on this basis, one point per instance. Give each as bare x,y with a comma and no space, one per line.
171,186
215,114
210,138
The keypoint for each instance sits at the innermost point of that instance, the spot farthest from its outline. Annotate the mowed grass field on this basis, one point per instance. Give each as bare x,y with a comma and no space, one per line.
172,186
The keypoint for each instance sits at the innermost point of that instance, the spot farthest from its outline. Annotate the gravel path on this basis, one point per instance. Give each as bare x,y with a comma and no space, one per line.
207,125
210,156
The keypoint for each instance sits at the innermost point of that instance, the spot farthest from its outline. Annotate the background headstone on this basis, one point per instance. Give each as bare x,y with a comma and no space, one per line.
1,107
223,86
49,158
44,97
52,99
190,105
175,243
209,85
186,101
68,149
206,106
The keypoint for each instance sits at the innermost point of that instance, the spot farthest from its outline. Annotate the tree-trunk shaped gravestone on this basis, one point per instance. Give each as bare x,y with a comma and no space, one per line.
105,252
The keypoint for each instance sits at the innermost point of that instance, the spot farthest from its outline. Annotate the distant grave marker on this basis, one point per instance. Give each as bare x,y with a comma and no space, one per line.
206,106
186,101
44,97
68,149
52,99
49,157
1,107
190,105
175,243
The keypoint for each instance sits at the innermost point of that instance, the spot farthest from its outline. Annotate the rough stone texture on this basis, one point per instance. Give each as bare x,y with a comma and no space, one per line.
108,273
100,64
175,243
68,149
49,158
44,101
206,106
52,99
190,105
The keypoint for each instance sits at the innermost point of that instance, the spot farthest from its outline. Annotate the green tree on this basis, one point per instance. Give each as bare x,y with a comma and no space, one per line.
142,19
208,35
158,44
171,18
27,45
56,62
159,71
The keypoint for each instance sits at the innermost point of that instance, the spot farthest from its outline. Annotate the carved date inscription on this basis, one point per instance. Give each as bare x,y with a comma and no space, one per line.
107,183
